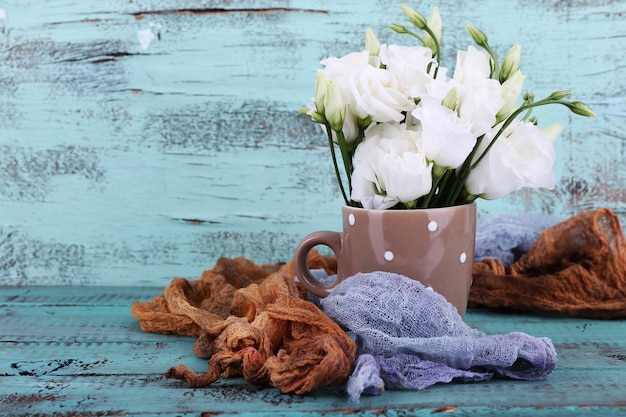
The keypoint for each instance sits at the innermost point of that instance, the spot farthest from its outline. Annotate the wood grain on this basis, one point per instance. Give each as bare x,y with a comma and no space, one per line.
69,351
142,140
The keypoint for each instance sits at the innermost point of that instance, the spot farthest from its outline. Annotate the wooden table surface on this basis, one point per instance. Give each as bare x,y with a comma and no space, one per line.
77,351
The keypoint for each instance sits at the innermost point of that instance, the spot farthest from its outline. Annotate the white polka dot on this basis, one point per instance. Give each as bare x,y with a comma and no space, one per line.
389,255
432,225
351,219
430,288
463,257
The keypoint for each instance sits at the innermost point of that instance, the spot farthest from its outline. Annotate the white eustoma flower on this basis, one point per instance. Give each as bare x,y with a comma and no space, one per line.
389,167
367,90
377,94
472,65
479,97
478,103
409,64
523,156
511,90
447,140
344,71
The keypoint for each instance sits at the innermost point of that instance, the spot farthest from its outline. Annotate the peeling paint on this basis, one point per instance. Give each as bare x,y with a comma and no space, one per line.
145,37
212,11
152,137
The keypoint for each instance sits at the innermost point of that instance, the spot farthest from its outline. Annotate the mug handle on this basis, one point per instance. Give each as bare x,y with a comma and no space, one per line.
308,281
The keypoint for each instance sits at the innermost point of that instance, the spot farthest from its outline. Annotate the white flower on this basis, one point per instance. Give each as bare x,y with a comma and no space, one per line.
366,90
348,66
389,167
510,63
446,139
511,90
471,65
523,156
409,64
552,131
377,94
343,71
479,97
478,103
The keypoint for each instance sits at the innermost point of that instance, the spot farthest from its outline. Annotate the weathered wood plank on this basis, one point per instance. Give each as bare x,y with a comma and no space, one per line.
119,395
97,358
142,140
156,355
77,351
76,295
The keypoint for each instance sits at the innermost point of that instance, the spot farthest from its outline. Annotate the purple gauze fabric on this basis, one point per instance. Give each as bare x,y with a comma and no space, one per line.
507,236
410,337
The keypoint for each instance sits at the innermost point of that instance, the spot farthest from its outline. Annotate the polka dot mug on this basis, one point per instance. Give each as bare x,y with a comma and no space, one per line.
434,246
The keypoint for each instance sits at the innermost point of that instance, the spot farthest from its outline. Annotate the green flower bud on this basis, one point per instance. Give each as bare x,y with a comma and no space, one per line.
414,17
528,97
320,91
398,28
364,123
559,95
581,109
335,110
478,35
449,100
318,118
435,25
510,63
371,43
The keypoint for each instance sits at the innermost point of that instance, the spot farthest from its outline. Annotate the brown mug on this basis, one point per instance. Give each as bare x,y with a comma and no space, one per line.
434,246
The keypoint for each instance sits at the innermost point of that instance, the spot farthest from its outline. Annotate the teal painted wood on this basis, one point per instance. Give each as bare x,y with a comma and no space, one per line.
69,351
142,140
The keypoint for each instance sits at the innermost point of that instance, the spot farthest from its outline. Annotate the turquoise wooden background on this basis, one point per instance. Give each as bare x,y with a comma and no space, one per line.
142,139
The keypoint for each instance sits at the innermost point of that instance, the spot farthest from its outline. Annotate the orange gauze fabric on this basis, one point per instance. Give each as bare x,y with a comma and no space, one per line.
252,321
576,267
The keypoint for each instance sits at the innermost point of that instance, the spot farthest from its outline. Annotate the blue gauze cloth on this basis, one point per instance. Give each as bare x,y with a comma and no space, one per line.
506,237
410,337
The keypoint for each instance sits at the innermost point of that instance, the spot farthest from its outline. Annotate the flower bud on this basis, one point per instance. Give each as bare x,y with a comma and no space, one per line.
414,17
371,43
511,90
510,63
318,118
478,35
335,110
581,109
320,91
434,23
398,28
528,97
559,95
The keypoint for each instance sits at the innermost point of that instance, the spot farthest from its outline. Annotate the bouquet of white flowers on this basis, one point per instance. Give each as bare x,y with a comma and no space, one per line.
411,136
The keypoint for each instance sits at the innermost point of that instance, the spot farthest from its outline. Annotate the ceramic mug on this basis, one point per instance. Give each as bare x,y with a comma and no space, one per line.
434,246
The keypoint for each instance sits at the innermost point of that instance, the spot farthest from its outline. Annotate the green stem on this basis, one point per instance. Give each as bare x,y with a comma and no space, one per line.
495,71
462,174
437,54
442,187
331,144
433,189
346,157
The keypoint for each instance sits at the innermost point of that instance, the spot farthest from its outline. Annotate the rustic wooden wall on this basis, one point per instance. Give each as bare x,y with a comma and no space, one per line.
142,139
